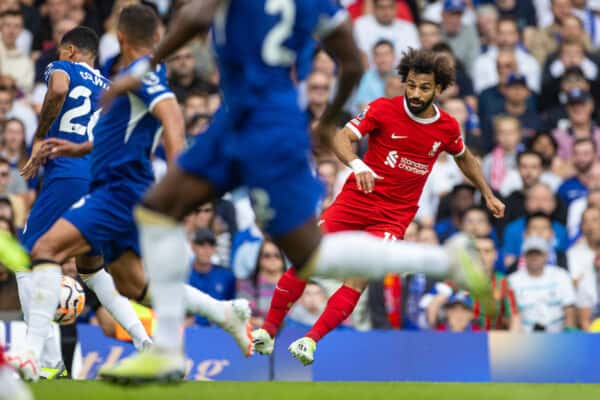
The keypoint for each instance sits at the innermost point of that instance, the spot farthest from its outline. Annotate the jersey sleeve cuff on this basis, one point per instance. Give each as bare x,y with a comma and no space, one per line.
167,95
460,153
354,130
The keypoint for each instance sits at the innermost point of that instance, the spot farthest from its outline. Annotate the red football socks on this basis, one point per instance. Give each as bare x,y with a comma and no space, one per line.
339,307
288,291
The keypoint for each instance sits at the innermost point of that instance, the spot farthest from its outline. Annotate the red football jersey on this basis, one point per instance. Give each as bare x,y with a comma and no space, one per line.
402,150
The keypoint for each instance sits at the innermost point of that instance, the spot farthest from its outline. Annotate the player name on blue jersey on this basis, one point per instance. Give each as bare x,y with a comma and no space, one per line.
76,118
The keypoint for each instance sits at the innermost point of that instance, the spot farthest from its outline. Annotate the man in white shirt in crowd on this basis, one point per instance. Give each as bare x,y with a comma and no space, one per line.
544,293
485,73
13,61
383,24
584,261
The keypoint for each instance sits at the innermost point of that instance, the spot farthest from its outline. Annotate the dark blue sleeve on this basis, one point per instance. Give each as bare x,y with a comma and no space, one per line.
154,87
56,66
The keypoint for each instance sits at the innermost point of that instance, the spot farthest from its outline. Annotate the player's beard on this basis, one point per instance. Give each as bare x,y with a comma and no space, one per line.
422,106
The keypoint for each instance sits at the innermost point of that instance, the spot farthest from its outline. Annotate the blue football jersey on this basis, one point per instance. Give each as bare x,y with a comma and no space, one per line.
78,114
127,133
258,42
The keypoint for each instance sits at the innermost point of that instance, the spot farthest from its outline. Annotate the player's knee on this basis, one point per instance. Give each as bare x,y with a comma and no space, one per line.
47,249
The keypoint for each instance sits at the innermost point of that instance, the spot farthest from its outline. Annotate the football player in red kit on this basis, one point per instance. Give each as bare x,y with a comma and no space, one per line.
406,135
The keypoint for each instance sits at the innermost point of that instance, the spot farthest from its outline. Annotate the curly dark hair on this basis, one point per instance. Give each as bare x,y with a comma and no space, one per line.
427,62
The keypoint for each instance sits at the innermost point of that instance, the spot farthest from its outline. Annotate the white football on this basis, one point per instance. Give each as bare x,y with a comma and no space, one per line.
72,301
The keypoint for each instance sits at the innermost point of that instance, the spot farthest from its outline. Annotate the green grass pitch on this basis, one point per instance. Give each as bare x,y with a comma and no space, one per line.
95,390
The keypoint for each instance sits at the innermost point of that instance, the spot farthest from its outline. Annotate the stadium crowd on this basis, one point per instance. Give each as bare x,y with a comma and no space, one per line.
527,74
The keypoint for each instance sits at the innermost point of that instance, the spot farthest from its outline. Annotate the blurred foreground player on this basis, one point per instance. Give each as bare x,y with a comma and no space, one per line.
258,139
102,221
406,135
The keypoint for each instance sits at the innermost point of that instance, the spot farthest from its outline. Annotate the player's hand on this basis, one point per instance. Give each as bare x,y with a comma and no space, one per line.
119,87
62,148
364,175
495,206
36,160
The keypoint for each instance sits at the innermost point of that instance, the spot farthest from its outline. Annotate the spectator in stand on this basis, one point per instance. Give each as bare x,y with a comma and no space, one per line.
31,22
577,207
553,104
545,42
55,10
580,107
487,24
476,223
394,86
462,38
539,201
540,224
462,86
500,166
530,173
522,11
459,314
583,159
214,280
13,61
18,207
14,149
183,77
85,13
372,84
462,110
383,24
328,174
51,54
461,199
10,107
196,113
517,105
554,168
430,34
259,288
109,44
545,294
485,72
310,306
505,314
529,167
491,100
591,18
318,86
584,267
571,53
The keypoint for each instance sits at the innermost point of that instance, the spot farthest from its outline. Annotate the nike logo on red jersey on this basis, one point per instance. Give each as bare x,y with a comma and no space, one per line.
394,136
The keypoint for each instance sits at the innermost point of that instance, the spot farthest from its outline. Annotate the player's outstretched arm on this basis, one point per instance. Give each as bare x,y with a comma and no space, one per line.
469,166
58,87
341,45
169,114
56,148
342,146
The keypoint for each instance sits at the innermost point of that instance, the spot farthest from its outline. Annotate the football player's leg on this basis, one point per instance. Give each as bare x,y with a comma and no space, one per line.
62,241
91,269
201,173
290,287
